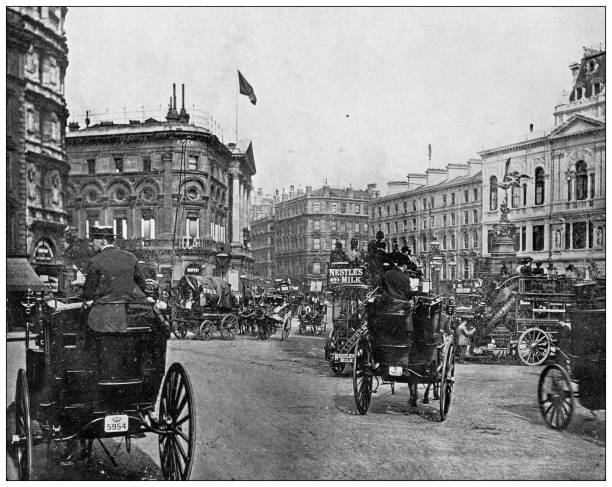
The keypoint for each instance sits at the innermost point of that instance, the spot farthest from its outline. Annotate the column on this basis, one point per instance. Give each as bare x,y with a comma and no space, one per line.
235,173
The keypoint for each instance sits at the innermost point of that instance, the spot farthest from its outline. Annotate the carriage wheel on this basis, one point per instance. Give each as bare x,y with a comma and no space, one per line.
178,421
286,327
205,329
179,330
533,346
228,326
555,397
362,376
337,368
23,427
447,381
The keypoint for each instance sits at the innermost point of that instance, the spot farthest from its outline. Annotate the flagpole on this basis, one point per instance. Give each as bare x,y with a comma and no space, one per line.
237,90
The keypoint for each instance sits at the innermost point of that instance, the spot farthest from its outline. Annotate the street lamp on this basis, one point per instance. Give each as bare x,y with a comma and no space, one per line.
223,261
436,262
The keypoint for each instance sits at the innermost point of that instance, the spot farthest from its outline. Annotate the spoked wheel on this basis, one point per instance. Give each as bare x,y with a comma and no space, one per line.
179,330
447,381
23,427
362,375
206,329
533,346
177,418
228,326
286,327
556,397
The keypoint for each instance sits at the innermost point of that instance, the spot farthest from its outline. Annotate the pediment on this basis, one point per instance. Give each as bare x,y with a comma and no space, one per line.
577,124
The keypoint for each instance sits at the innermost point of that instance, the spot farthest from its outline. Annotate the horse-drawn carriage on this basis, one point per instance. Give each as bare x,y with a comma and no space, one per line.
312,316
203,305
405,344
579,370
80,385
265,315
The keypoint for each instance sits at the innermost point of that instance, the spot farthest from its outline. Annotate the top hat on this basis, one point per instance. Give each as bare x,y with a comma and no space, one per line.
101,232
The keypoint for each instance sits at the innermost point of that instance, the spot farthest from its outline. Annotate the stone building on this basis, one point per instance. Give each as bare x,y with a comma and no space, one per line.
262,235
36,164
307,225
559,208
440,205
175,195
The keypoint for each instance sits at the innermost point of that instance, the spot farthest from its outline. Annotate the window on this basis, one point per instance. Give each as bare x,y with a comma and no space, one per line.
396,226
387,227
466,196
453,222
91,166
343,227
356,228
405,207
316,225
334,207
193,163
579,235
91,222
475,215
475,194
443,200
334,225
476,240
581,180
539,186
342,207
596,88
443,220
316,267
466,269
490,240
365,227
431,202
432,222
316,244
466,240
516,197
358,209
147,227
424,223
192,226
120,227
146,164
414,224
444,242
592,192
524,194
405,225
466,219
380,212
538,237
452,241
414,205
493,193
316,207
396,208
452,199
568,233
388,210
118,164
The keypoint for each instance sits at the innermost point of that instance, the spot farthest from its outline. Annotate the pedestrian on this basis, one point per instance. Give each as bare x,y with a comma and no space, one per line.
463,339
539,270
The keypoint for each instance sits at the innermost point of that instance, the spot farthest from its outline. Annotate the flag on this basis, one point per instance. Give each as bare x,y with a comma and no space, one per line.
246,88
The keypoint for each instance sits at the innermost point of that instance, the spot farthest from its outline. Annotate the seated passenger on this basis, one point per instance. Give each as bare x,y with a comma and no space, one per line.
113,278
396,283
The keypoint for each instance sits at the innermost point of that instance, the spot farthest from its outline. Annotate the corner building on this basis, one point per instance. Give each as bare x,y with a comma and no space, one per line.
559,210
174,194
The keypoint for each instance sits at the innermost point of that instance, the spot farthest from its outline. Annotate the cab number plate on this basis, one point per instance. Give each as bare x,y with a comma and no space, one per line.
395,371
115,423
343,358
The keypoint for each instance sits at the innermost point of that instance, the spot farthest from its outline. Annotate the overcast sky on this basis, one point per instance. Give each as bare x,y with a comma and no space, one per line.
351,95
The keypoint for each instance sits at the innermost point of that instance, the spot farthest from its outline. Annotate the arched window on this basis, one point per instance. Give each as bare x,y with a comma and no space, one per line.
493,193
539,186
581,180
516,196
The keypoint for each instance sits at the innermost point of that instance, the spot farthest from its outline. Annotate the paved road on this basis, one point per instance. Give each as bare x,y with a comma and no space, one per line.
274,410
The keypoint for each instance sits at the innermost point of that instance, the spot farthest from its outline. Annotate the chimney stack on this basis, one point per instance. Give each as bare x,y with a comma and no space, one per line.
174,96
530,127
172,115
183,117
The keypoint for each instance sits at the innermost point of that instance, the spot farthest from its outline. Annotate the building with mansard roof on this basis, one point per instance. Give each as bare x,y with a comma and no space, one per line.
559,207
175,195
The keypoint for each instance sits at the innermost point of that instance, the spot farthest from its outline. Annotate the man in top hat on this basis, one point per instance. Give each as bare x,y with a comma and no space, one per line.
113,278
353,254
539,270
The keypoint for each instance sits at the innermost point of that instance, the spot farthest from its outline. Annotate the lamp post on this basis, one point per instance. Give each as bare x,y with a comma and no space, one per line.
435,263
223,260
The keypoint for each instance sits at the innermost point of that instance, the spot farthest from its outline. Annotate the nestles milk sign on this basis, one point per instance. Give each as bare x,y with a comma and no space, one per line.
344,275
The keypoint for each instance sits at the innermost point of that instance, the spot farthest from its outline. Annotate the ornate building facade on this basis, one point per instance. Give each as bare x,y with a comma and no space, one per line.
262,235
559,209
440,205
175,195
36,164
307,225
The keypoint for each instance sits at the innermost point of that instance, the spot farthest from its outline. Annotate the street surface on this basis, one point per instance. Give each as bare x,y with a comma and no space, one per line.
274,410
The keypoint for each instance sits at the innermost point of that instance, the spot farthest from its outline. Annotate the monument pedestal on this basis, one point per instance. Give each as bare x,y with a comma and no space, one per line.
503,248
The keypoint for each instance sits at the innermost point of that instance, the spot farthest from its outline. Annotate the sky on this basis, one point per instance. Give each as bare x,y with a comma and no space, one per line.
347,96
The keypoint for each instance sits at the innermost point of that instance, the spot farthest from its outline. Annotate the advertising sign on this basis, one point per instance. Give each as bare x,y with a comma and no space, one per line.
344,275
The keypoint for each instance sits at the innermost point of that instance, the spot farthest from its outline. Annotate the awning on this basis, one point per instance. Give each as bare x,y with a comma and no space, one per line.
20,276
